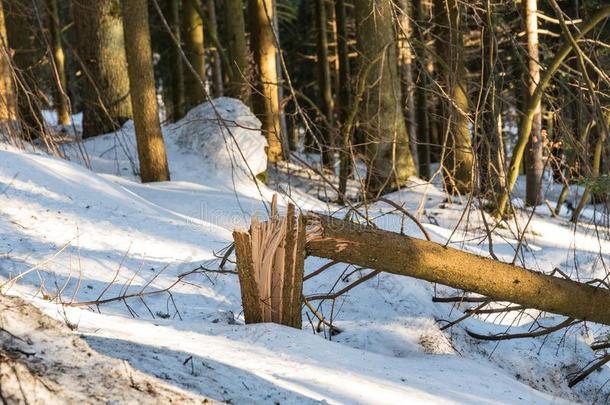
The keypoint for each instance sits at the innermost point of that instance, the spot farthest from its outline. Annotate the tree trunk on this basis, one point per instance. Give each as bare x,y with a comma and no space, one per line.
390,163
325,95
343,95
405,57
58,68
347,242
151,148
217,82
534,165
177,81
458,145
265,101
238,51
422,124
491,148
7,89
195,52
105,83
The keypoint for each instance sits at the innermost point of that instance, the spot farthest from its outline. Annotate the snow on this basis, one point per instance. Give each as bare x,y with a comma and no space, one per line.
41,362
100,230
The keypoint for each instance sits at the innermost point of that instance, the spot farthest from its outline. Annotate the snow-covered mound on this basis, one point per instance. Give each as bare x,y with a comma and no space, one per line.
226,133
212,140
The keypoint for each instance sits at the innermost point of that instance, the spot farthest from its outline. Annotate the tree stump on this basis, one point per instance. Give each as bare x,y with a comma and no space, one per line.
270,264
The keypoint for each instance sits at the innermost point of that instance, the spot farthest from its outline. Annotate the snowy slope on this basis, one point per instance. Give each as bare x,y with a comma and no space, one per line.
86,230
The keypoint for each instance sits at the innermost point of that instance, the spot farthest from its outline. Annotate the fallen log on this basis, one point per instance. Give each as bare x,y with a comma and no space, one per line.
347,242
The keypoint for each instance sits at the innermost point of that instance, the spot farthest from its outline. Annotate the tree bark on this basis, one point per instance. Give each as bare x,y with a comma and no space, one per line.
265,101
406,62
491,148
58,69
238,51
343,95
325,96
212,24
105,83
177,81
534,165
195,52
422,125
151,148
458,145
347,242
390,162
7,89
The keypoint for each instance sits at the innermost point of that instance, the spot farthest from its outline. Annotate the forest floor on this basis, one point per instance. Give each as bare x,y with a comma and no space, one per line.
79,231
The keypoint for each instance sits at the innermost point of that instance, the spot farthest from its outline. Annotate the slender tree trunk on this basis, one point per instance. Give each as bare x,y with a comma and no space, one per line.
240,73
343,95
105,82
217,82
58,68
151,148
325,95
534,165
177,80
491,148
458,145
390,163
7,89
194,49
265,101
420,97
333,51
405,55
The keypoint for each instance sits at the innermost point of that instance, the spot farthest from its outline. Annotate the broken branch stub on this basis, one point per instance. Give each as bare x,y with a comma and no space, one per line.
270,263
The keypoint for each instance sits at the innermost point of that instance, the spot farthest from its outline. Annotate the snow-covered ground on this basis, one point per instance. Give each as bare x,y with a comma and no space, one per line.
86,229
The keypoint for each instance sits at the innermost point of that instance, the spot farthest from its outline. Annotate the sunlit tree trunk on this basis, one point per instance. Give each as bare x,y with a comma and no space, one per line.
151,148
238,50
265,101
325,95
534,165
195,52
58,68
458,145
7,89
101,49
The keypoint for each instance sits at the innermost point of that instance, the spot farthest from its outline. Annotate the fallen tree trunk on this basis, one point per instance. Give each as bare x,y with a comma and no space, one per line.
348,242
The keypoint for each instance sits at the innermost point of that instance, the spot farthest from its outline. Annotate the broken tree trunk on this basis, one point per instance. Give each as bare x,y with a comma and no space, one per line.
270,260
347,242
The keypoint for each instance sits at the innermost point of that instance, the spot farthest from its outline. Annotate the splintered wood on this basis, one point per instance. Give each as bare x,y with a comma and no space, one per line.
270,260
